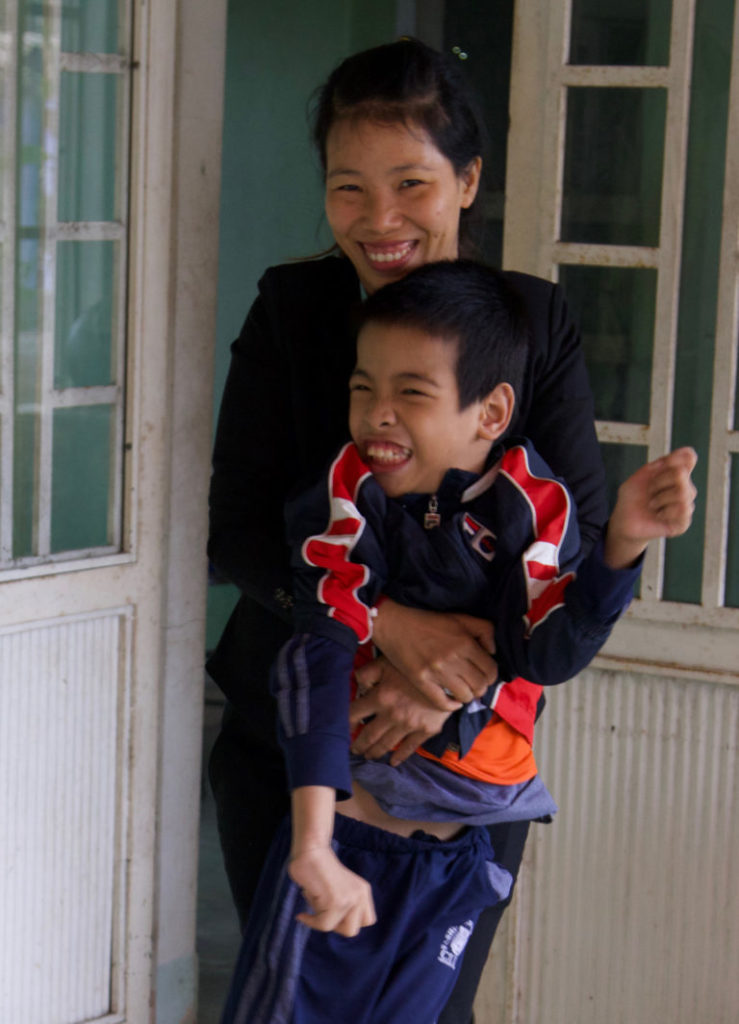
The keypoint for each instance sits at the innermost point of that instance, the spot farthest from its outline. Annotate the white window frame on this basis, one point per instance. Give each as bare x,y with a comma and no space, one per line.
49,398
655,632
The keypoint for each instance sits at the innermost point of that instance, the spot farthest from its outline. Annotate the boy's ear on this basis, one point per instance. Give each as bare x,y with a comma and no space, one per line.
496,412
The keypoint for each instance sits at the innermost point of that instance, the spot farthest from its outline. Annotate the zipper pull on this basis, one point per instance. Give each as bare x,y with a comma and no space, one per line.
432,518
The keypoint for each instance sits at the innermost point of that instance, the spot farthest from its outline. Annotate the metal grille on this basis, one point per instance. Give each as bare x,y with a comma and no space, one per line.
63,842
629,907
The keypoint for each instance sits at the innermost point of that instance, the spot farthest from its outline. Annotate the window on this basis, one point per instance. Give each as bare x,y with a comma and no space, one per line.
64,111
638,217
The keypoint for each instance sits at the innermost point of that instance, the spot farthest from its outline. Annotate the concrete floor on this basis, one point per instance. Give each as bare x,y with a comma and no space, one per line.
217,927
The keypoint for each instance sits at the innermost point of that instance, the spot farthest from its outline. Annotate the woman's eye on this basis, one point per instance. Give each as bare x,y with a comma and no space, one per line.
410,182
357,386
348,187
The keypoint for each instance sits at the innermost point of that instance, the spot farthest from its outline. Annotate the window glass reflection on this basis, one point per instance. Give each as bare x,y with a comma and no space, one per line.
90,26
84,314
620,461
87,147
615,308
612,184
629,32
698,297
81,466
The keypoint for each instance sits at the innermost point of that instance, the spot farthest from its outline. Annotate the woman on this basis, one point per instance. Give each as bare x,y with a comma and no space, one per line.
400,146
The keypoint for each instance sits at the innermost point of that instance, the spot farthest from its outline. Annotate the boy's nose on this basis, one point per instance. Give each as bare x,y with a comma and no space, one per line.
380,413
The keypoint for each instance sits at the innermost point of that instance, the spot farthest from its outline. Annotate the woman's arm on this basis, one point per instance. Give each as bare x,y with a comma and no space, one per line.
556,410
448,658
400,719
252,467
434,663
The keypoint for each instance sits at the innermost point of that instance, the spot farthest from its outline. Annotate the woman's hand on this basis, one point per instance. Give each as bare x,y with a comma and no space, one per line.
401,717
339,900
447,657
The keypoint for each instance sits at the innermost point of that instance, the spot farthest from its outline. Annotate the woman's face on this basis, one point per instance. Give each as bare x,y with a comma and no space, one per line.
393,200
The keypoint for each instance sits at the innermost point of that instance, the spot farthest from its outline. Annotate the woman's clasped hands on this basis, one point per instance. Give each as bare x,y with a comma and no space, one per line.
432,664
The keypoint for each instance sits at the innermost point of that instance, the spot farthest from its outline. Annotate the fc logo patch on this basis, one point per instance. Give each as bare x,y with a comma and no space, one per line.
453,944
481,539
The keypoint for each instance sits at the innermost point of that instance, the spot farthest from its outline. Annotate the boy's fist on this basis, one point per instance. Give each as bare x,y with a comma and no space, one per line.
656,501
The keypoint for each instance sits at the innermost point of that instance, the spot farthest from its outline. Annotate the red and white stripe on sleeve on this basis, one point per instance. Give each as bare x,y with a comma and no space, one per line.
331,550
551,508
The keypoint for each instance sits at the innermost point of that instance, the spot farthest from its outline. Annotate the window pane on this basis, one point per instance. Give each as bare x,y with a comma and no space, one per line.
613,166
30,130
90,26
615,308
620,461
732,552
635,32
87,147
26,375
699,276
70,162
81,474
84,314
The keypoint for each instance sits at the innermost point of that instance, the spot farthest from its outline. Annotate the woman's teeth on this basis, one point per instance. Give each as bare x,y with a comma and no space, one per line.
389,255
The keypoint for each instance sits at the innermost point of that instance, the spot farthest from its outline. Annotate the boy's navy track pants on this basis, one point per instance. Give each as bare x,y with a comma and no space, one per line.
428,895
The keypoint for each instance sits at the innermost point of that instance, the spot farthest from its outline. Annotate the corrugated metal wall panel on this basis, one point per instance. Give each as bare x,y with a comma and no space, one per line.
629,905
59,772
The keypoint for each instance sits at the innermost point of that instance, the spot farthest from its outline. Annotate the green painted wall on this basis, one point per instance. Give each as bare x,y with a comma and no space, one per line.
277,52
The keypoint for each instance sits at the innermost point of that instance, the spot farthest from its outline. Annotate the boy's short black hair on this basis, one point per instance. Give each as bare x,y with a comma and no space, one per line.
467,303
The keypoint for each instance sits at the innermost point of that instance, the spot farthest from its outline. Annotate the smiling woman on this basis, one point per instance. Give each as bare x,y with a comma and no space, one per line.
393,200
400,145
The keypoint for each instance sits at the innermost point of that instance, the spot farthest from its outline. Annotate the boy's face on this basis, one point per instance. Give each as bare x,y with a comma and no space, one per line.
404,413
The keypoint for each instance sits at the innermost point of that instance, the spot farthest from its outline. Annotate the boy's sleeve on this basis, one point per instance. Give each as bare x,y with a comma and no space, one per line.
335,533
556,612
310,682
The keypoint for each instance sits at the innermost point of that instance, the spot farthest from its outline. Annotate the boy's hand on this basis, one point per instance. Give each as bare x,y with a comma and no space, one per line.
447,657
340,900
656,501
402,718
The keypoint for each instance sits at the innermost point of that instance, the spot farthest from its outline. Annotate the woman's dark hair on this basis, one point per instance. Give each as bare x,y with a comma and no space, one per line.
466,303
406,82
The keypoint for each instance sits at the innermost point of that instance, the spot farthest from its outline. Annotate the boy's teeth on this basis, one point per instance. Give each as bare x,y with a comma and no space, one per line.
383,453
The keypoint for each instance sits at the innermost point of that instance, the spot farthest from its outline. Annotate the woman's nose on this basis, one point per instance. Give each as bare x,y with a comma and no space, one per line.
381,212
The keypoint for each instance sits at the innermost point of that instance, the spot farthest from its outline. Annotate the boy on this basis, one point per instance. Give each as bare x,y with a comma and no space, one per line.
428,507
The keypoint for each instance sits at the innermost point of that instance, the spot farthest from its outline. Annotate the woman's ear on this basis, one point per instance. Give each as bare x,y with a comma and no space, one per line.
496,412
470,182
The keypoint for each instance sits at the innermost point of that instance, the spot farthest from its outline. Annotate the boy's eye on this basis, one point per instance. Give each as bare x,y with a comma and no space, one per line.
347,187
415,391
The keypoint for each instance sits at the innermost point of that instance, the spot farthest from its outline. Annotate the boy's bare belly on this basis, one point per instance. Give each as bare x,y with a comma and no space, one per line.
362,806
